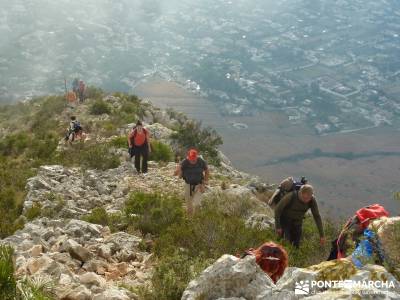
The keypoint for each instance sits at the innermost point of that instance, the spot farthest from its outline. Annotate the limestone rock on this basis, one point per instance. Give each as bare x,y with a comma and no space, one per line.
228,277
78,293
388,230
261,221
92,278
112,294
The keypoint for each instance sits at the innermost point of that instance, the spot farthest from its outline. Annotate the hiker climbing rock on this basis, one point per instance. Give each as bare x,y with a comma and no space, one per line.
272,259
194,170
75,130
139,146
81,91
356,235
290,211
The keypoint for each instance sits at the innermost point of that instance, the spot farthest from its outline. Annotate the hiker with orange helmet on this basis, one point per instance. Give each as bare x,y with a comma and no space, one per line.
194,170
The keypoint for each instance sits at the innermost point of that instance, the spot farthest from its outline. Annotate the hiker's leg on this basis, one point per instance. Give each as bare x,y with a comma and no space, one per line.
334,251
296,230
188,200
137,159
145,159
285,228
196,197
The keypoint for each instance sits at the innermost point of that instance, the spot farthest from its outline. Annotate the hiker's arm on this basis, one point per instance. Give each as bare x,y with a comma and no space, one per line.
178,171
317,217
206,175
129,139
279,209
148,137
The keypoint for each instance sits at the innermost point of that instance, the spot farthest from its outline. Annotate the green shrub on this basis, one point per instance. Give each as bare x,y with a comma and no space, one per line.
93,92
161,152
130,108
172,275
98,215
120,142
210,234
89,156
99,107
43,147
206,140
37,288
116,221
153,213
45,119
8,285
233,205
14,144
99,157
10,210
33,212
107,128
52,212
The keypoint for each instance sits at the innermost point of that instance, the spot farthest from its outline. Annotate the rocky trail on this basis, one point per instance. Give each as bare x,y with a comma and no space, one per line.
85,261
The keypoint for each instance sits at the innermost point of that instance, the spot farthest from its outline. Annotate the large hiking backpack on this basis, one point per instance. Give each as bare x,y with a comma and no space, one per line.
77,126
193,173
286,186
362,218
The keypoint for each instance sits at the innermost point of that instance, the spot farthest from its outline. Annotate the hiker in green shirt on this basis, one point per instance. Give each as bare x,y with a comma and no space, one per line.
290,211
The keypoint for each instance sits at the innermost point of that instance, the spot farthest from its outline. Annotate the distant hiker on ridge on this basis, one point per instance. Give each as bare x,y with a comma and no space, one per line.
81,91
194,170
75,86
290,211
71,98
74,131
139,146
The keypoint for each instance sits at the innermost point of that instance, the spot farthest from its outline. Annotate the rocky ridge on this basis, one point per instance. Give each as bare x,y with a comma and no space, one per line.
87,261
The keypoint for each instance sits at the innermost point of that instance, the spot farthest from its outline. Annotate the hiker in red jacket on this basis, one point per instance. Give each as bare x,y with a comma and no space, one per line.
139,146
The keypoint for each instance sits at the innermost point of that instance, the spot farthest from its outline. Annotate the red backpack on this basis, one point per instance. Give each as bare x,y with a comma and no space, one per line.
363,216
371,212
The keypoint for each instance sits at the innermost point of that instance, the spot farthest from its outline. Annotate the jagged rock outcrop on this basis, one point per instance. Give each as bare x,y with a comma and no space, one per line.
160,132
72,192
229,277
83,260
233,278
388,230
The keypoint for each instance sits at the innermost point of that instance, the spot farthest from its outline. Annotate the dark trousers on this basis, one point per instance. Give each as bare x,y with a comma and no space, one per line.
141,152
81,96
292,231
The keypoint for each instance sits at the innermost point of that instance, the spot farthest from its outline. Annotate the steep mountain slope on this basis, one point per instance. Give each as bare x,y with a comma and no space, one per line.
91,228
